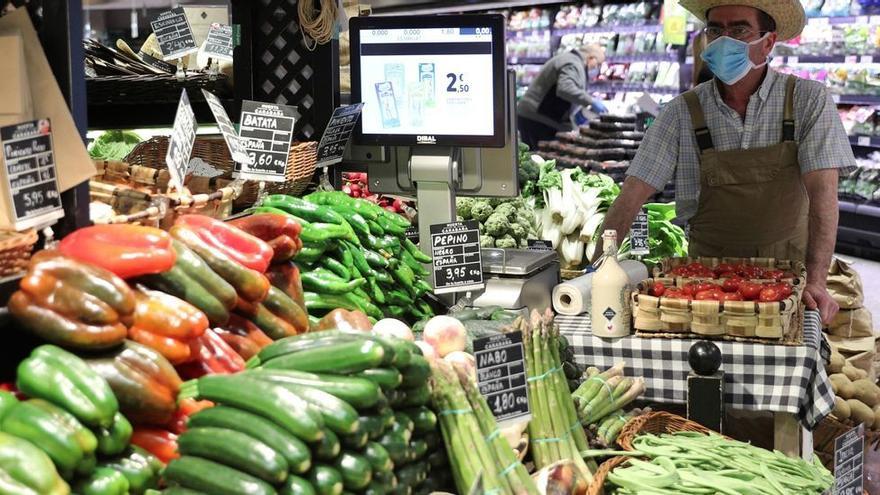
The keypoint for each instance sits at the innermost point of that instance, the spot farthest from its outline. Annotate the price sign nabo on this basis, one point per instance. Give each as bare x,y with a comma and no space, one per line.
501,375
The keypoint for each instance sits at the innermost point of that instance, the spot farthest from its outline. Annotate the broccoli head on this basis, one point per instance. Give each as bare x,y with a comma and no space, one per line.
523,243
481,210
507,242
517,231
508,210
463,207
497,225
487,241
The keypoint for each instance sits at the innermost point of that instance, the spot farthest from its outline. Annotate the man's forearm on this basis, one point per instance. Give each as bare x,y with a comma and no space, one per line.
822,190
624,209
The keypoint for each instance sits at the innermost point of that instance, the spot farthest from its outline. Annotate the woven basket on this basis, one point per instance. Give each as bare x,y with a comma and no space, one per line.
658,422
15,251
300,170
151,89
597,486
828,430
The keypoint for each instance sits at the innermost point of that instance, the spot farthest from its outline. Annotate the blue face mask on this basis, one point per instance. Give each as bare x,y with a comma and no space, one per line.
728,58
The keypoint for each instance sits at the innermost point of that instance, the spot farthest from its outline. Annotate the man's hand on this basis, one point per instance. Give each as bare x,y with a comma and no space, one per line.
634,193
817,297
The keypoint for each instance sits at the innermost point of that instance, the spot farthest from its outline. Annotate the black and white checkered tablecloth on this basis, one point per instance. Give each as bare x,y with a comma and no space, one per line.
760,377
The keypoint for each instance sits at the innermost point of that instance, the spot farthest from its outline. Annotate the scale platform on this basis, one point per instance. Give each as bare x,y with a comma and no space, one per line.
518,279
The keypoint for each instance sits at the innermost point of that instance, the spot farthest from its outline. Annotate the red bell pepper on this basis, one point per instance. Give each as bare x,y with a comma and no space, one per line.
235,243
281,232
157,441
186,408
215,357
125,250
243,336
167,324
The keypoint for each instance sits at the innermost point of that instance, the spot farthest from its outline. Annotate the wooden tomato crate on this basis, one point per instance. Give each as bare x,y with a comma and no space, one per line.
750,321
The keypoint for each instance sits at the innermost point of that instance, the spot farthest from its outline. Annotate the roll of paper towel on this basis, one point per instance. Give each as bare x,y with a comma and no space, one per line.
573,297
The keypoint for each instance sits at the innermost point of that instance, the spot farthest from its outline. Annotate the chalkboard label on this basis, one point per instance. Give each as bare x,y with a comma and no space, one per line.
332,146
638,234
501,375
539,245
849,450
236,148
180,145
412,233
266,130
30,173
174,34
458,265
219,42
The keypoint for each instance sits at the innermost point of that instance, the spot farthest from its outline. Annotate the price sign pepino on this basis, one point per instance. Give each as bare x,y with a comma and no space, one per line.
457,260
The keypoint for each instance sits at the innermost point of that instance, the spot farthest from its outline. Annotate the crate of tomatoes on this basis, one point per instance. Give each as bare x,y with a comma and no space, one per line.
749,299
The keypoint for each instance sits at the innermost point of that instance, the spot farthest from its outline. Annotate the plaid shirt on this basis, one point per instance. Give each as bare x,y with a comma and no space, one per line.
670,150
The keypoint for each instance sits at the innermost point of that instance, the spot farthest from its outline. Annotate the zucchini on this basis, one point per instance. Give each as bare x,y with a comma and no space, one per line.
415,397
378,457
356,471
387,478
343,358
179,490
291,448
387,378
437,459
387,416
401,489
395,397
424,419
214,478
412,475
433,440
329,447
236,450
326,480
373,425
403,423
337,414
294,485
416,373
358,392
419,449
375,488
355,441
397,446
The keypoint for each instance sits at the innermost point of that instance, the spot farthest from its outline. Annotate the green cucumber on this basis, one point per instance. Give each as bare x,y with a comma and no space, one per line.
387,378
387,416
397,446
326,480
402,424
355,441
419,448
378,457
214,478
374,426
337,414
355,469
294,485
424,420
387,478
236,450
263,398
358,392
416,373
344,358
328,448
415,397
413,474
291,448
179,490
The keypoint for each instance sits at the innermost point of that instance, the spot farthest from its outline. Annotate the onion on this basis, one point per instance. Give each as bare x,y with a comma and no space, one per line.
456,358
390,327
445,334
427,350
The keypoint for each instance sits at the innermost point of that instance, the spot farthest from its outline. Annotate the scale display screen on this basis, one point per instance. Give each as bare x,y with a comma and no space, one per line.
429,80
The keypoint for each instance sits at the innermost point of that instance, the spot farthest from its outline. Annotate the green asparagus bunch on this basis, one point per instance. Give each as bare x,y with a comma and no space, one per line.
603,393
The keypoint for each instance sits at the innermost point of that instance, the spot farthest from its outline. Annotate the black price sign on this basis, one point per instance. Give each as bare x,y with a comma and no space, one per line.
266,131
412,233
174,34
30,173
219,42
455,249
539,245
332,146
236,148
849,451
638,234
501,375
180,145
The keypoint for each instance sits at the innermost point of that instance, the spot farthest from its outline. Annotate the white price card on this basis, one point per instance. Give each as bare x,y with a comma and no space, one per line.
638,234
219,42
180,145
864,141
29,165
866,59
236,148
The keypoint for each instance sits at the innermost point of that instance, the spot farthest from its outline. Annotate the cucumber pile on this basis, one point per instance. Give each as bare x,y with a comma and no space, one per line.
321,413
355,256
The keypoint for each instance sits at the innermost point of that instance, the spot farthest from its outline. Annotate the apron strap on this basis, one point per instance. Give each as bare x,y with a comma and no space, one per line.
698,119
788,115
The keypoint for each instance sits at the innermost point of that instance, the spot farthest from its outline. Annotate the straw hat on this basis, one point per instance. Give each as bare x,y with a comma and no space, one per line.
788,14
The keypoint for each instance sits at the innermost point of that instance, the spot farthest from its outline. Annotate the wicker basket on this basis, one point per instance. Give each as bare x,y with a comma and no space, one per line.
658,422
828,430
597,486
300,170
151,89
15,251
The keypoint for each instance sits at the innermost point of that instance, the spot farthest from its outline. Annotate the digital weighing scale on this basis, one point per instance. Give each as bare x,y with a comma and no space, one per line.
518,279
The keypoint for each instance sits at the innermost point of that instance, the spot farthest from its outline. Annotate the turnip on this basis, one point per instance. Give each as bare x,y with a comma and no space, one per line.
391,327
464,360
445,334
427,350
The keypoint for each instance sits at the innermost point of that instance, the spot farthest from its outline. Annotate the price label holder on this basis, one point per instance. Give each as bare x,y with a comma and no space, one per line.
849,450
412,233
638,234
266,131
331,149
29,168
219,42
236,148
864,141
174,34
457,260
851,59
539,245
866,59
180,145
501,375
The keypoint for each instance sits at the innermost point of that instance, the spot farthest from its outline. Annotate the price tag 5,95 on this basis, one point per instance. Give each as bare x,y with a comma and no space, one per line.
501,375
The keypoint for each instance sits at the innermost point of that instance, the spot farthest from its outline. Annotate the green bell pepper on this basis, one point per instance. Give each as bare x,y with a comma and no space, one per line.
27,470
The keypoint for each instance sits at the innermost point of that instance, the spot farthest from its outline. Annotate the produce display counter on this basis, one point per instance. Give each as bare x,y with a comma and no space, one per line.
789,381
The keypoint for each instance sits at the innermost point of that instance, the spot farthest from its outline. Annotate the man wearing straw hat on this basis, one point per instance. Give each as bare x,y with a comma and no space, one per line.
755,154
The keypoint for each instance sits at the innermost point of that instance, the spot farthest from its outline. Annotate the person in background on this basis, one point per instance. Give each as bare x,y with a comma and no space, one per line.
755,154
557,93
701,73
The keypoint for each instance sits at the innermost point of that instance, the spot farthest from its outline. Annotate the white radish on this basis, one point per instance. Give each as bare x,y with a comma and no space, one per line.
445,334
391,327
427,350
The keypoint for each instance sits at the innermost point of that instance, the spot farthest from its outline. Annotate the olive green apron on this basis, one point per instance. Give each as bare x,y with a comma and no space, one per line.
753,201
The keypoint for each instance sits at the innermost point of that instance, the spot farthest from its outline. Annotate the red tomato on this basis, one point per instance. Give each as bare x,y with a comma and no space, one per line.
731,296
774,274
730,274
696,265
675,293
708,295
658,289
724,267
731,284
784,289
703,286
770,294
749,290
681,271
